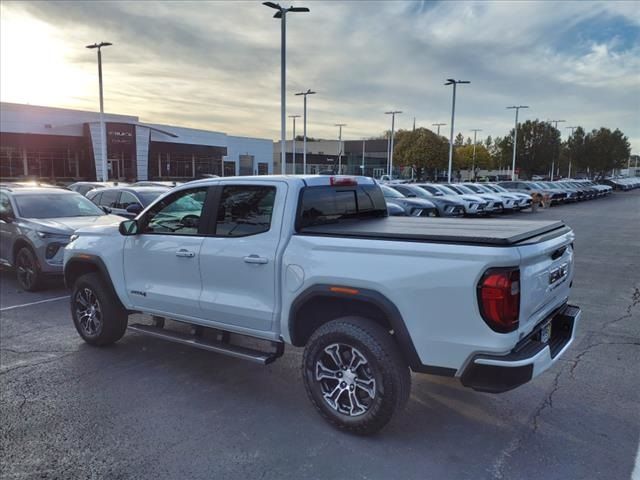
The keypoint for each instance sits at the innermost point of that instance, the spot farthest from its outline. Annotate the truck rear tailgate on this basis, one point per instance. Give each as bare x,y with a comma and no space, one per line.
485,232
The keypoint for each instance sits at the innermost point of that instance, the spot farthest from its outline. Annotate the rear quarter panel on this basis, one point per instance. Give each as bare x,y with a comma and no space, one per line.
433,286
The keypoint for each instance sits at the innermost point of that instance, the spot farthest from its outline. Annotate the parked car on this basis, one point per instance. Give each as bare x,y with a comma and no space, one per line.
524,199
549,196
395,210
447,205
85,187
36,224
508,201
315,262
125,201
571,193
473,204
413,207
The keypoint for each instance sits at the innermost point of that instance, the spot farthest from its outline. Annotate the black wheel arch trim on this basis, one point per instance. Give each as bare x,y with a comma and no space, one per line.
407,348
95,261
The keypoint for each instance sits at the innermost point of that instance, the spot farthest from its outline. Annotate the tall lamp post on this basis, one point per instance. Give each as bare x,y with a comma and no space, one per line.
438,125
473,162
451,81
515,139
569,172
304,138
294,142
393,126
282,15
363,149
103,133
553,160
340,125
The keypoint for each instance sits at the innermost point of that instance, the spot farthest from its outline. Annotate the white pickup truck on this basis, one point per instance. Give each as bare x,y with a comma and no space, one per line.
254,263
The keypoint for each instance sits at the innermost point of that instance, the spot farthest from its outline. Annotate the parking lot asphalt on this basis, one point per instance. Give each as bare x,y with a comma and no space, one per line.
145,408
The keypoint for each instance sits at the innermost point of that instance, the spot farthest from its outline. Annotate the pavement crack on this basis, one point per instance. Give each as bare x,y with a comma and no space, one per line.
20,367
635,301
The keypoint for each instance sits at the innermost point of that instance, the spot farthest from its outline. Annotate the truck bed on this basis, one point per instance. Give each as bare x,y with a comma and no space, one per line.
482,231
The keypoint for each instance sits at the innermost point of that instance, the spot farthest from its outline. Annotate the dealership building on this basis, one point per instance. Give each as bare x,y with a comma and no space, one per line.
63,145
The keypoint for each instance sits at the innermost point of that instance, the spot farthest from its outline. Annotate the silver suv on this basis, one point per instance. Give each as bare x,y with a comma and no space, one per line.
36,224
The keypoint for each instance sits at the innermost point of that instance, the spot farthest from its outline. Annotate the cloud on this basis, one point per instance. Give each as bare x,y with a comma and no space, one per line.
215,65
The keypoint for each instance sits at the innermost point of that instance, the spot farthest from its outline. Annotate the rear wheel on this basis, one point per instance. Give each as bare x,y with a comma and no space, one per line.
97,313
28,271
355,375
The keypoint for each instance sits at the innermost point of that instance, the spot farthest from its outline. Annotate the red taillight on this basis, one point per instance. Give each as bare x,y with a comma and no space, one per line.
342,181
499,298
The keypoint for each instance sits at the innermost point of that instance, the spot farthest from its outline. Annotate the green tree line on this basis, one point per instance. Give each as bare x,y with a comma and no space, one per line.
539,146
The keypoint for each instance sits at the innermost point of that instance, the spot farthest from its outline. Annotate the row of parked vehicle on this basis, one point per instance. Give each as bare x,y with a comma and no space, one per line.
473,199
622,183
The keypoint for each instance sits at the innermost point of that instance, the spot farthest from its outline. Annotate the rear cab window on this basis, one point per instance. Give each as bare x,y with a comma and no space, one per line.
329,204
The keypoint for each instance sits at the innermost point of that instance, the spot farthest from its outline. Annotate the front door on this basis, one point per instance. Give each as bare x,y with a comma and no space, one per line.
161,264
113,167
238,259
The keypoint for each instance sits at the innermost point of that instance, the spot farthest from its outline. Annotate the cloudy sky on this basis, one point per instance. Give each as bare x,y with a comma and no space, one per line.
215,65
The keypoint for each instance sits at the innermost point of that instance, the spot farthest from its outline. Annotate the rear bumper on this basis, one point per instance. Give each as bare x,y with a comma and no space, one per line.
530,357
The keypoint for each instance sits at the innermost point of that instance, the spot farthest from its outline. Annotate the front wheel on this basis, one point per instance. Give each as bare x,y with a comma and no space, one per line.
97,313
28,270
355,375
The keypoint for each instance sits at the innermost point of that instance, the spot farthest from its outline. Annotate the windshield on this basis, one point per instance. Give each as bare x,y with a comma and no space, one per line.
55,205
148,197
389,192
448,190
429,190
537,185
472,189
466,189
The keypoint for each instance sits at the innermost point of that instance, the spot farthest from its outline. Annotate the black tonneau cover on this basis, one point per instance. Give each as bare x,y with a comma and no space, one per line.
482,231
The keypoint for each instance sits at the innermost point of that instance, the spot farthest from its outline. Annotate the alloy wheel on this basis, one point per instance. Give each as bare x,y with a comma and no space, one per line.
88,312
346,380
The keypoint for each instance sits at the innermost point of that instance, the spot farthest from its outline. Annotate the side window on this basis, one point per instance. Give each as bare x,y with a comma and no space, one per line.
127,199
177,214
6,210
245,210
96,198
109,199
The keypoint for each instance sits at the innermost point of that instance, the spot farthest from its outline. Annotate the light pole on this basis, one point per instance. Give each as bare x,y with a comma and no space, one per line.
515,139
282,15
393,126
569,173
304,138
294,142
103,133
451,81
438,125
363,149
553,160
473,163
340,125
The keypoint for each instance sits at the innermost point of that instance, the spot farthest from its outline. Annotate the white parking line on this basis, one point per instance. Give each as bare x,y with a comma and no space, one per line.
33,303
635,475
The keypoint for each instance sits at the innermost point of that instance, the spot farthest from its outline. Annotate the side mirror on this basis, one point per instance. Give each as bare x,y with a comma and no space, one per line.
134,208
106,210
128,228
411,195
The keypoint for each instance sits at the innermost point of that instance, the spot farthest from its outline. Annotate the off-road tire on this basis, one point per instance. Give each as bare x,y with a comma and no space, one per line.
385,364
113,316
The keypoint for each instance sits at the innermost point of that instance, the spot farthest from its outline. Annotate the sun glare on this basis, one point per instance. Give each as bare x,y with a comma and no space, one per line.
35,66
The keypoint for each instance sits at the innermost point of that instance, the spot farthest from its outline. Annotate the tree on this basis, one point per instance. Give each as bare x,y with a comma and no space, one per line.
605,150
538,147
459,140
421,148
463,158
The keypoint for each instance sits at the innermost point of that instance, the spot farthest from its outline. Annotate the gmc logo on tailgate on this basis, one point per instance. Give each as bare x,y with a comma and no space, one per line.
558,274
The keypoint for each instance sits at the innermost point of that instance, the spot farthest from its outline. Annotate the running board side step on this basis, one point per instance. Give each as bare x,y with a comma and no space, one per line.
244,353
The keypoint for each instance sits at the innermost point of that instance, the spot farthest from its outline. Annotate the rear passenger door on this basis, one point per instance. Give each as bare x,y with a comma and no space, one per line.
238,257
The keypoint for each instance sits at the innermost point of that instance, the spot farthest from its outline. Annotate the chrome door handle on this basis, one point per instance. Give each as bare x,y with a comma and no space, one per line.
185,253
256,259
